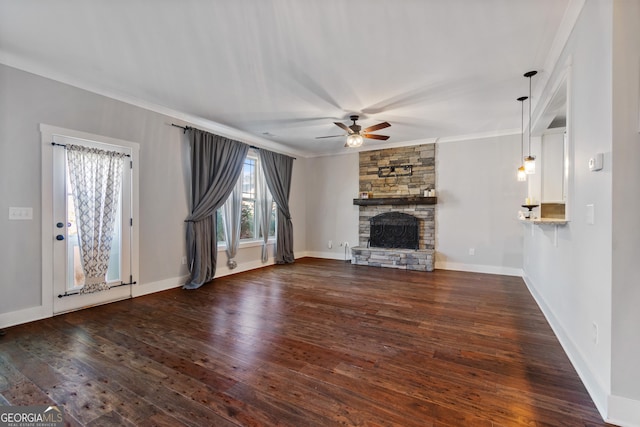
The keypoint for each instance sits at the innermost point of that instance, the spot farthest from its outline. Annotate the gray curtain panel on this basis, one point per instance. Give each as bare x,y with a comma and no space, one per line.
277,172
264,206
216,164
231,218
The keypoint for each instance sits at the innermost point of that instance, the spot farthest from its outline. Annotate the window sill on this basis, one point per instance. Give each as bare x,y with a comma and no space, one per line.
247,244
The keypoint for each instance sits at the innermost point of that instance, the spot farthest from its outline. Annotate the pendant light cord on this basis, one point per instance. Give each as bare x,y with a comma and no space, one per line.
530,115
521,100
522,130
530,74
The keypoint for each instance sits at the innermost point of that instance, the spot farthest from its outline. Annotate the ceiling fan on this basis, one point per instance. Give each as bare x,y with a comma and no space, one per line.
355,133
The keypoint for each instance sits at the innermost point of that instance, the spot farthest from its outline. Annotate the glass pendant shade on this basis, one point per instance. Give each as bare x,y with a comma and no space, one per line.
522,175
354,140
530,165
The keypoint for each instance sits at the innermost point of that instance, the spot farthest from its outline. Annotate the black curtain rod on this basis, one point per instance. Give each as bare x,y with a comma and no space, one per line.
63,145
70,294
186,128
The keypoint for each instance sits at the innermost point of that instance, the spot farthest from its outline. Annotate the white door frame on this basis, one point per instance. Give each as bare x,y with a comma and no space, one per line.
50,301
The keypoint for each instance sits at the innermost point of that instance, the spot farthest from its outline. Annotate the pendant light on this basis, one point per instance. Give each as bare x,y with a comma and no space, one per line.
530,161
522,175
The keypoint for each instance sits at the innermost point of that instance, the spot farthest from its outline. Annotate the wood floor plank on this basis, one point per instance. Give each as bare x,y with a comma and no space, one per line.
315,343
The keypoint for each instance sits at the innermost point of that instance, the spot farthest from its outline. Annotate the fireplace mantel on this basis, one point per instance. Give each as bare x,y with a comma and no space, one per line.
411,200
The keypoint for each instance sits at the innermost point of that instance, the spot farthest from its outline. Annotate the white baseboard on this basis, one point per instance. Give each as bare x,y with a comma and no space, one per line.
473,268
161,285
596,390
477,268
26,315
623,411
222,269
329,255
176,282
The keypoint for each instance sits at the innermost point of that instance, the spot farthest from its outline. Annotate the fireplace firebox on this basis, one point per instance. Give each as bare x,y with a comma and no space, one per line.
394,230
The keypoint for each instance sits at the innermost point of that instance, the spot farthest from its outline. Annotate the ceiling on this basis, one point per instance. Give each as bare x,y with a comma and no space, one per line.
282,71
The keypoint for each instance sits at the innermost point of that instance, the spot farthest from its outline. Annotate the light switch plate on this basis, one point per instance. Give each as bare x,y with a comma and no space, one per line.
20,213
590,215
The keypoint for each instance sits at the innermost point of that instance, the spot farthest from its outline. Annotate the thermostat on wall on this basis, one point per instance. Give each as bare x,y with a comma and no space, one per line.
595,163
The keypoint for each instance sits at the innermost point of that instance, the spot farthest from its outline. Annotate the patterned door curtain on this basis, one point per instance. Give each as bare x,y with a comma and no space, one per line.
96,180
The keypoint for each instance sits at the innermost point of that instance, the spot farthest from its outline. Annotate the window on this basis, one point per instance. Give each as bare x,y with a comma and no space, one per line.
249,228
248,224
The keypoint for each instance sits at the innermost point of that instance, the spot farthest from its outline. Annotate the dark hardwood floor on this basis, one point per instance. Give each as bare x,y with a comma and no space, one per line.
316,343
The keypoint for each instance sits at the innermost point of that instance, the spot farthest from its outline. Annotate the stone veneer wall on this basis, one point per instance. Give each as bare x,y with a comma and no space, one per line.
422,160
421,157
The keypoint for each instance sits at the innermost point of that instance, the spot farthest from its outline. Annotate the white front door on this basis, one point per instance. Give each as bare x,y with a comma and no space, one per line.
68,274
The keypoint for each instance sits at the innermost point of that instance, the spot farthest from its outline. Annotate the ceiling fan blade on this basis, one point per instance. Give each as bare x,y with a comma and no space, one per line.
330,136
380,137
377,127
343,126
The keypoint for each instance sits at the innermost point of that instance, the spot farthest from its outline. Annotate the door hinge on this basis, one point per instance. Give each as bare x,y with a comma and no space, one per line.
131,222
131,278
131,164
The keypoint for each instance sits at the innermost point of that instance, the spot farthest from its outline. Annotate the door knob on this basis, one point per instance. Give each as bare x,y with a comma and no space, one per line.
60,224
59,237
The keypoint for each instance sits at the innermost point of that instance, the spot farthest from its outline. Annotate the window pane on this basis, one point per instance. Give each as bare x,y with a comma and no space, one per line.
220,227
272,225
249,179
248,226
247,219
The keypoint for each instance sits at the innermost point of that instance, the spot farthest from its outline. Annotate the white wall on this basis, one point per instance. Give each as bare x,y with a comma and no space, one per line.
474,209
584,284
478,201
28,100
332,184
625,323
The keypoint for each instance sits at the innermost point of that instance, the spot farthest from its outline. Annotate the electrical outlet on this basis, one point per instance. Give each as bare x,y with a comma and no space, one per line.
330,244
472,251
184,260
595,332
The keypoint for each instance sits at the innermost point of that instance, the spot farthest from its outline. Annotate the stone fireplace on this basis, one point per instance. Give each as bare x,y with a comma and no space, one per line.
398,200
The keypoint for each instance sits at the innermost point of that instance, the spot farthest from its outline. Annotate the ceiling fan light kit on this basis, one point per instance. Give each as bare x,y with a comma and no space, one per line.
354,140
355,133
